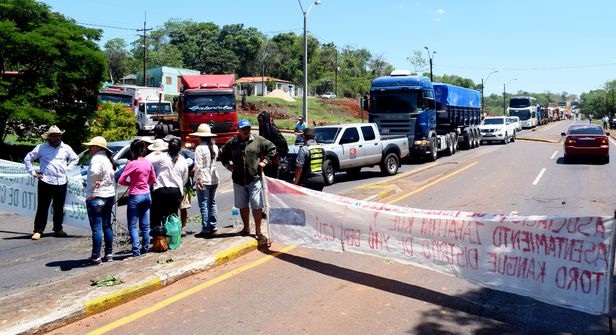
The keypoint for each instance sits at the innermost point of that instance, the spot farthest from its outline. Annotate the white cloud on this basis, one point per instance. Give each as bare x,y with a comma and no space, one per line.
436,19
440,11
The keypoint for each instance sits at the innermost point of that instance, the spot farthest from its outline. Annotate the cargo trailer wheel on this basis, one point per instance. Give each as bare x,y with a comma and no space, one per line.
467,140
389,165
433,155
328,172
450,146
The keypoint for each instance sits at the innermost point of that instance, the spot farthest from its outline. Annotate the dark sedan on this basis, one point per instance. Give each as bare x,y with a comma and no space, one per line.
586,140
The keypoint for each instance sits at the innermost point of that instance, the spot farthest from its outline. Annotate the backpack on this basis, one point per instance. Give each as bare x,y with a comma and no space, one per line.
173,226
268,129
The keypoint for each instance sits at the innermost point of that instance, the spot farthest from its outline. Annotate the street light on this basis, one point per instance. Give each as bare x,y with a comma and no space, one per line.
430,56
305,92
504,95
482,85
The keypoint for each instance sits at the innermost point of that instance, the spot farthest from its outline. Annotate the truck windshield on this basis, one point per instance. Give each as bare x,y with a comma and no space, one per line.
158,108
519,102
116,98
210,103
394,102
522,114
326,135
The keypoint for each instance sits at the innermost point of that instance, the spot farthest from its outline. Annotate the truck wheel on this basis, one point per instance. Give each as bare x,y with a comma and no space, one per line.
389,164
450,146
433,155
328,172
467,140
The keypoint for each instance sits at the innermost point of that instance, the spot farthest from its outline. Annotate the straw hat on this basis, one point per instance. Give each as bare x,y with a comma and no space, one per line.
158,145
98,141
52,130
146,139
204,130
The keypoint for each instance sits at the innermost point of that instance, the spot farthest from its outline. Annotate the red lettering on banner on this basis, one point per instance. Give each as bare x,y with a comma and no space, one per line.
407,246
325,231
351,237
378,240
516,266
402,224
460,230
449,253
596,254
574,279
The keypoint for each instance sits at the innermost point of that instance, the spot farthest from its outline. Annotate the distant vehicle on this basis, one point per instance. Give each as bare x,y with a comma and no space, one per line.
586,140
526,109
328,95
147,111
516,122
497,128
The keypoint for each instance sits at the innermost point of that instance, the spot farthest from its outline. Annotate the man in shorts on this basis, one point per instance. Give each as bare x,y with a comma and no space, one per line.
245,155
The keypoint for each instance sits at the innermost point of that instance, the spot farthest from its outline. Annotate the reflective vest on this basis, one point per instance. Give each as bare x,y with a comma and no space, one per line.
315,161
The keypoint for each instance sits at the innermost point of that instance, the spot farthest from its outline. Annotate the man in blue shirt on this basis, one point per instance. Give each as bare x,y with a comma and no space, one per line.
300,125
56,159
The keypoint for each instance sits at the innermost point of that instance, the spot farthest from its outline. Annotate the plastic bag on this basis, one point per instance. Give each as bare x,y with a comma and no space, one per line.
173,226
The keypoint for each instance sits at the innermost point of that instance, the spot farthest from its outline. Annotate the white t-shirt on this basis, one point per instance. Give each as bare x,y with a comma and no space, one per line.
169,174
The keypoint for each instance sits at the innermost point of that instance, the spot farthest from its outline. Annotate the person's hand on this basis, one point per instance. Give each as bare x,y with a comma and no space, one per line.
230,167
38,175
97,184
199,185
262,165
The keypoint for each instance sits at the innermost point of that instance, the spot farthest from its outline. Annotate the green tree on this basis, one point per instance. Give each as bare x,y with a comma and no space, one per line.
417,60
114,122
58,68
117,57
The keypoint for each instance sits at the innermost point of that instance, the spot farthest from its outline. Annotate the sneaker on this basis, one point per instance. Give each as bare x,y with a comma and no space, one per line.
94,261
60,233
36,236
108,258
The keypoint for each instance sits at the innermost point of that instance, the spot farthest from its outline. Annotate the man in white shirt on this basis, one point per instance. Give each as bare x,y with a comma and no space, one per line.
56,158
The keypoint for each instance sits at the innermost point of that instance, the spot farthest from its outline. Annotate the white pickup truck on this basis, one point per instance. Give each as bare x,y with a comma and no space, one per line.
352,146
497,128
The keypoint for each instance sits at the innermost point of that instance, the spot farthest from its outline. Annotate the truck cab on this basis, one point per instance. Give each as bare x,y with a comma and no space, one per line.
148,110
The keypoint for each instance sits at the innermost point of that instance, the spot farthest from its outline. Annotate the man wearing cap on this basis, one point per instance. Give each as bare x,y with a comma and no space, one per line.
309,163
56,158
300,125
245,155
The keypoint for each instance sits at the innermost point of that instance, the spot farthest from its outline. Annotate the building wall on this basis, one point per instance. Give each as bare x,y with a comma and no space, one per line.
169,77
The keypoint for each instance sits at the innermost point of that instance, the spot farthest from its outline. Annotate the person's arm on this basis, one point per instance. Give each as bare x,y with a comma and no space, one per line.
30,157
225,155
125,173
73,159
152,176
299,164
269,150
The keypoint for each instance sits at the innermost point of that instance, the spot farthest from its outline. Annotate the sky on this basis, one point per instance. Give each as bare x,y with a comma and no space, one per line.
536,46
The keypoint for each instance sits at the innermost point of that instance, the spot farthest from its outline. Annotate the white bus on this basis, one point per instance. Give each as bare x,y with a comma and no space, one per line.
526,109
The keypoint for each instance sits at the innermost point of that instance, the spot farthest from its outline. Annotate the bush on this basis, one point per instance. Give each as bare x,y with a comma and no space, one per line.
114,122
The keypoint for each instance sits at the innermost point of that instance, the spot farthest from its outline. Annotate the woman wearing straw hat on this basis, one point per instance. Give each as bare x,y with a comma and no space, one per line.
206,177
56,158
100,196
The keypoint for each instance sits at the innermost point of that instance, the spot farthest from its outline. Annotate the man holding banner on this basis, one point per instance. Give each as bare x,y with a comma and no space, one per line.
56,159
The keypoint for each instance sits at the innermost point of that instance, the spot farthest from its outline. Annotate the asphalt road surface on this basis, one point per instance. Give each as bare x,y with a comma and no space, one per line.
303,291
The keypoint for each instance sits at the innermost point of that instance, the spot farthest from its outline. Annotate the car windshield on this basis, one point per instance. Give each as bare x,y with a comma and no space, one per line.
210,103
586,130
326,135
115,98
494,121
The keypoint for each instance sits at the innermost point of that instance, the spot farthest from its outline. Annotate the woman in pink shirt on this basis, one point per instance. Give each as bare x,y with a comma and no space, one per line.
138,175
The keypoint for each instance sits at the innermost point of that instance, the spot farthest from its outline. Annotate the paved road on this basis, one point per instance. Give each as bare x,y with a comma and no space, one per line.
315,292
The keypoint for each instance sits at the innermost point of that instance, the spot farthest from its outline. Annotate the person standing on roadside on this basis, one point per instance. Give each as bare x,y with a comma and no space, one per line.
170,180
100,196
55,158
206,177
309,163
300,125
245,155
186,203
138,175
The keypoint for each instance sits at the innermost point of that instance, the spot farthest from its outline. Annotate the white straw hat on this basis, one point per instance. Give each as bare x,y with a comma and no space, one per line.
98,141
158,145
204,130
52,130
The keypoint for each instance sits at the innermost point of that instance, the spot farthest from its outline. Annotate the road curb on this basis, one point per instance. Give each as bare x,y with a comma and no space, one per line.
79,310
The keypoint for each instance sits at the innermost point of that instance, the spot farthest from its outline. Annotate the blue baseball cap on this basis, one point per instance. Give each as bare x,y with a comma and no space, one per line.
244,123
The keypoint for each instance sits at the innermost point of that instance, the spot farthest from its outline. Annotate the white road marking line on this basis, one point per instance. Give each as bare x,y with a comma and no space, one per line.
554,154
536,181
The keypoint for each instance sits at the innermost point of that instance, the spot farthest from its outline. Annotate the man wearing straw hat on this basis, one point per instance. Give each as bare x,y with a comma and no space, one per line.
55,158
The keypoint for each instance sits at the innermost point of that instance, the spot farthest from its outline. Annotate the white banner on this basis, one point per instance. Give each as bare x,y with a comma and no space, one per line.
559,260
18,194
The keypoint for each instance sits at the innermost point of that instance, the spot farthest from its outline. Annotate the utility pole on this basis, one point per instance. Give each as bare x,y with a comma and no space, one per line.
145,45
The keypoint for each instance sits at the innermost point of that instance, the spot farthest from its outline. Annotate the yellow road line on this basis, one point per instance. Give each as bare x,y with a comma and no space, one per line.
432,183
144,312
400,175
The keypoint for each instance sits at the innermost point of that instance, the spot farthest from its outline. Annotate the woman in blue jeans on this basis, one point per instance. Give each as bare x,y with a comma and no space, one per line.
100,196
138,175
206,178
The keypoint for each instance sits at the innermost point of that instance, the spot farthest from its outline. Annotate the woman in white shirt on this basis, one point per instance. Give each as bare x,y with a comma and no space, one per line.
206,178
100,196
172,175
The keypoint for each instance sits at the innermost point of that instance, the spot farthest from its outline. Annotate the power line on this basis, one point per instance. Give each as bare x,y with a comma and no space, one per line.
547,68
105,26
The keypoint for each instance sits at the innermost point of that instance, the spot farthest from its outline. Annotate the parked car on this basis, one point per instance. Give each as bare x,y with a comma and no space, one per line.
352,146
497,128
586,140
515,120
328,95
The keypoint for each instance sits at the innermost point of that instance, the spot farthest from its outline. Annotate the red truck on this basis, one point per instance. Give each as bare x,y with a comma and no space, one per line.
204,98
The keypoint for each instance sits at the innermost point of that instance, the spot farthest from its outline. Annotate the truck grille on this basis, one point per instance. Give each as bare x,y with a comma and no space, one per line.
216,127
